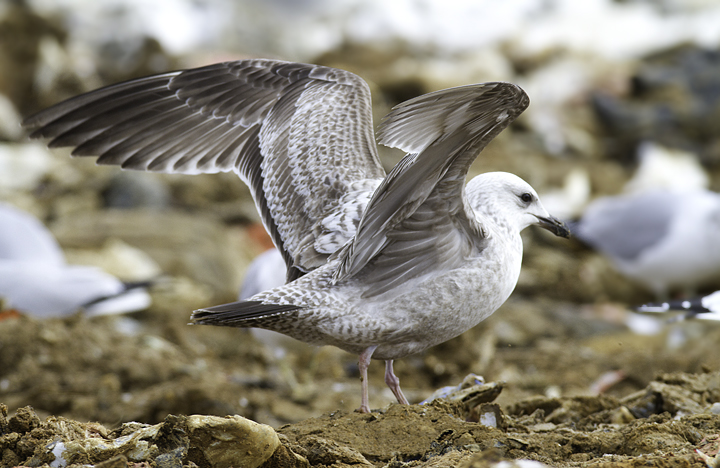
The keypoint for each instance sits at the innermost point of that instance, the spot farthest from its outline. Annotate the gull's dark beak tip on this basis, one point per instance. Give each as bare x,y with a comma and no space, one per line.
554,225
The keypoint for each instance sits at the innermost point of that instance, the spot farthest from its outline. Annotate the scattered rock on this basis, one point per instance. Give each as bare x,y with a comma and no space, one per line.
230,441
206,441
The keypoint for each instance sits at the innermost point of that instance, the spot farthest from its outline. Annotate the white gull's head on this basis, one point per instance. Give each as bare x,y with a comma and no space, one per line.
510,202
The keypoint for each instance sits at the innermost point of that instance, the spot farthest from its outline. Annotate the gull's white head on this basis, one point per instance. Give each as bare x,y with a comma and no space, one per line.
511,203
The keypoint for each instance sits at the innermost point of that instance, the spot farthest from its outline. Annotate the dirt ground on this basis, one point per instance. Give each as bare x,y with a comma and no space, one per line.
570,387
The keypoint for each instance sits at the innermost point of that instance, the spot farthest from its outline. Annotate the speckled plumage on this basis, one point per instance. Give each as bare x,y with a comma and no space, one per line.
299,135
382,266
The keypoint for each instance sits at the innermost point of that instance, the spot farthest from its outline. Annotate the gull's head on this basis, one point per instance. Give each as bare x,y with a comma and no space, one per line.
512,202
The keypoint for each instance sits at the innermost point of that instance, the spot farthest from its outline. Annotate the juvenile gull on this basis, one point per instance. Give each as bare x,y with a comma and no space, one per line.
380,266
663,239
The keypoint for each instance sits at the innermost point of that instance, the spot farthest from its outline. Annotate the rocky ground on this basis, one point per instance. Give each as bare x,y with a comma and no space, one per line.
563,387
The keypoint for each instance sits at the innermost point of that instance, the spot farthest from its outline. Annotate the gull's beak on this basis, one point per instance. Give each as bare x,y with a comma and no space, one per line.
553,225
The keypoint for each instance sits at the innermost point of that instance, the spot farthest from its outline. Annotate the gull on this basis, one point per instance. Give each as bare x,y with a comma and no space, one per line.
380,265
266,271
661,238
35,279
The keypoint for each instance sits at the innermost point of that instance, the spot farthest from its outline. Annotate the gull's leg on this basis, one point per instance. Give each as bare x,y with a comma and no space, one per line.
363,363
394,383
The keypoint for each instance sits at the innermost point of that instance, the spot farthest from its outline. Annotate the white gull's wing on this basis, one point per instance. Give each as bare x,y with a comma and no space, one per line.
625,226
702,308
417,219
47,290
299,135
712,302
24,238
699,305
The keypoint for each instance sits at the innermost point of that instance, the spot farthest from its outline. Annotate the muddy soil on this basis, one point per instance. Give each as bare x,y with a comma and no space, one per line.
577,389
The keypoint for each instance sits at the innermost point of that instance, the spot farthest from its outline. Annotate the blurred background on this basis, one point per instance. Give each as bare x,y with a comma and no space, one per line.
625,98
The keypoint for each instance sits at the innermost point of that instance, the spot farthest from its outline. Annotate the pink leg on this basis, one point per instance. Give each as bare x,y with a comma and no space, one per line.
394,383
363,363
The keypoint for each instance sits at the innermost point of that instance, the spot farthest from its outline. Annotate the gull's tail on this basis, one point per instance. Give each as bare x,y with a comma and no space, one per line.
240,314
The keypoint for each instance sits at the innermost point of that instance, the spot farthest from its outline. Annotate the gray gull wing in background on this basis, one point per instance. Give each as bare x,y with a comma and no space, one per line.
299,135
664,239
625,226
417,218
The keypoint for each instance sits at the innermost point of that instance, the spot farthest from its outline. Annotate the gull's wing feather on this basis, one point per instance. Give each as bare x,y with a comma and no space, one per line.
299,135
417,217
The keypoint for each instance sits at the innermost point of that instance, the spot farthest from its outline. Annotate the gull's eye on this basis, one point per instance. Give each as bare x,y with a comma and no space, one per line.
527,197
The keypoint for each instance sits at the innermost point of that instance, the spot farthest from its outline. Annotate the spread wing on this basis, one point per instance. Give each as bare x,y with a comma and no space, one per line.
299,135
417,220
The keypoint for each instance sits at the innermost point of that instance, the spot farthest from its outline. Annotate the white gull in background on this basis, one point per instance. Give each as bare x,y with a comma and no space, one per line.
664,239
379,265
266,271
35,279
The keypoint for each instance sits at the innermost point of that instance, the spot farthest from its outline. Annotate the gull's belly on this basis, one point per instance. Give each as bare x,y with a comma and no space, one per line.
426,311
